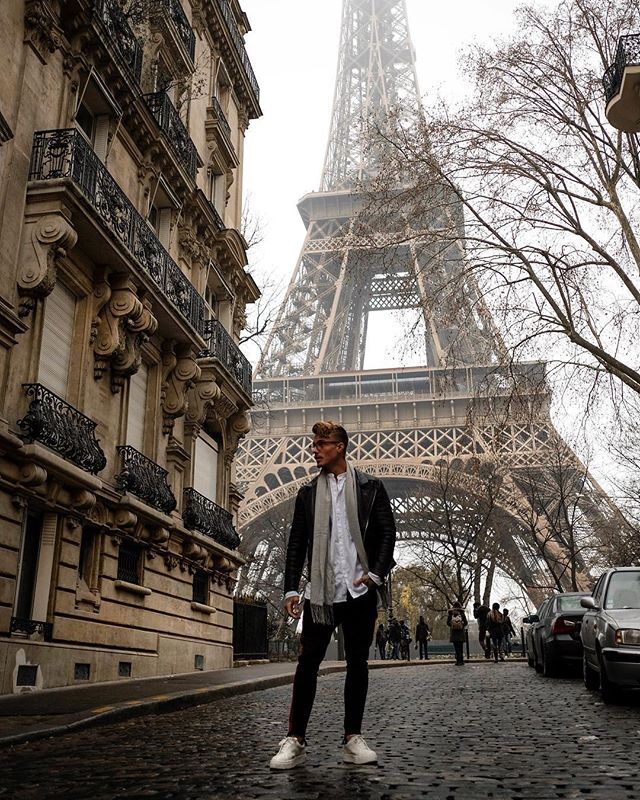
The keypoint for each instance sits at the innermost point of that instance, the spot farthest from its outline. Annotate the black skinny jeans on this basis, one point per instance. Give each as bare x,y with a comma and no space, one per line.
358,619
422,645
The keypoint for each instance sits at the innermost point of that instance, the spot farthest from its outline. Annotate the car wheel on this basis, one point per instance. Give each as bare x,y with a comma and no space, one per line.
589,675
549,666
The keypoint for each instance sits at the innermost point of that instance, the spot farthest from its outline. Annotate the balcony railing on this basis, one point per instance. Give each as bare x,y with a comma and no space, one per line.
222,347
172,126
627,55
118,34
51,421
238,43
175,12
221,118
145,479
201,514
31,626
67,154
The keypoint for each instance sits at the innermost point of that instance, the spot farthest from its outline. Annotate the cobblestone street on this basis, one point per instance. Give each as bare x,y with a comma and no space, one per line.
485,731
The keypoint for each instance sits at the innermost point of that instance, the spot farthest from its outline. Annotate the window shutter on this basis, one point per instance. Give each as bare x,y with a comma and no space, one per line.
137,410
164,227
57,339
101,136
206,467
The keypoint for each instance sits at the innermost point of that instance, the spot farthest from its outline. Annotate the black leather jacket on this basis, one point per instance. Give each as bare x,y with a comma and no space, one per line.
376,525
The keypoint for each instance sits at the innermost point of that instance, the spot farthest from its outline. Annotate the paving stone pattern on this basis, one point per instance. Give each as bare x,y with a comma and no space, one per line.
482,731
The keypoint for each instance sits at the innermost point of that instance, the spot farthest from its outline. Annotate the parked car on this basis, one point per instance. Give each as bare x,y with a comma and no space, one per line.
553,633
611,633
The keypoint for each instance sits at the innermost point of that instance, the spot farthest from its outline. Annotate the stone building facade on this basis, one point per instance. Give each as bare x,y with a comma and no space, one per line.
123,289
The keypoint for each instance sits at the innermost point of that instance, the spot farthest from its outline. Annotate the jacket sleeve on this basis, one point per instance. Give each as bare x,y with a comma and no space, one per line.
386,526
296,548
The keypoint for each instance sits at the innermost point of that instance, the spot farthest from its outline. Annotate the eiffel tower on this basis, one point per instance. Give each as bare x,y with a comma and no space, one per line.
404,423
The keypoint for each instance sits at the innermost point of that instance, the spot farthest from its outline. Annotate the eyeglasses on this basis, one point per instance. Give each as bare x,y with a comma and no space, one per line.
320,444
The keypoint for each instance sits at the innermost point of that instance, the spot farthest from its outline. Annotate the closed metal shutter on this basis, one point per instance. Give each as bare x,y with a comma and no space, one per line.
206,467
57,340
137,410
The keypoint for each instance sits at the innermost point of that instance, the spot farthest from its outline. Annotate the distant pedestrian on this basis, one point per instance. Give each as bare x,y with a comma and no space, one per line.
481,612
508,631
495,622
405,641
457,622
422,637
394,637
381,641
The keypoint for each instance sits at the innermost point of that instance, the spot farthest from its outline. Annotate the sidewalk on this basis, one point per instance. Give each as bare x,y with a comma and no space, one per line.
51,712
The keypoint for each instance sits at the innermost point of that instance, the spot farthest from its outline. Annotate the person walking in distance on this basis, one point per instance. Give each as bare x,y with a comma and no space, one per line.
343,526
395,635
481,612
508,631
494,626
422,637
381,641
457,622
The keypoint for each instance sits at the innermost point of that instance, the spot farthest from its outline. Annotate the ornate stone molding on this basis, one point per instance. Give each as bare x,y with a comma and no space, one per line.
41,28
122,323
179,372
239,426
224,408
201,397
45,242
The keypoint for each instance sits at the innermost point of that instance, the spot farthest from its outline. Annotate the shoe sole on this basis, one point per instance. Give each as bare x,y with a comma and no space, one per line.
294,762
348,759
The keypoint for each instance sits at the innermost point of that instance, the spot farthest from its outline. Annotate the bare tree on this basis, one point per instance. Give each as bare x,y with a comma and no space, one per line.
551,228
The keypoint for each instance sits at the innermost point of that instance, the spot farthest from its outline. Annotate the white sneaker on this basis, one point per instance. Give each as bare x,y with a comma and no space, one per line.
290,754
357,751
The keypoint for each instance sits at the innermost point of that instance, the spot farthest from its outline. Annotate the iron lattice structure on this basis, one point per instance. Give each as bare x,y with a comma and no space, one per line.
407,423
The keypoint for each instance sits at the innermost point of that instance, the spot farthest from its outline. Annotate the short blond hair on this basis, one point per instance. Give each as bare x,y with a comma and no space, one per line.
332,429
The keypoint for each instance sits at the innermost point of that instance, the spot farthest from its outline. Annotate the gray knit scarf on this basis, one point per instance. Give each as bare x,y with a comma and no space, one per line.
322,575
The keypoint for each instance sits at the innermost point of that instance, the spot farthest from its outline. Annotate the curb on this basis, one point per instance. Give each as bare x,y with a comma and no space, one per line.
181,700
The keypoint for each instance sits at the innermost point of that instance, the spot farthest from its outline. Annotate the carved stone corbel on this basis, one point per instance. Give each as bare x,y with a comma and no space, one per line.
179,372
224,407
41,28
201,397
239,427
45,242
123,322
194,551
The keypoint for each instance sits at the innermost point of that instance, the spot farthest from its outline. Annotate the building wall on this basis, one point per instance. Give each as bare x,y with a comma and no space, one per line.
116,204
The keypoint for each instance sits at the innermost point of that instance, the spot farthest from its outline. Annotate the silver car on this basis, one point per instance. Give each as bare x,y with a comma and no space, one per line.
610,633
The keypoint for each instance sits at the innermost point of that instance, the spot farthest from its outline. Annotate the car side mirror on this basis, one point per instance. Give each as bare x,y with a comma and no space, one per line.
531,619
588,602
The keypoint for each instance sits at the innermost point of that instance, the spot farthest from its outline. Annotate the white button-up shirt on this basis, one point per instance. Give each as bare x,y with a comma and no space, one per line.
344,556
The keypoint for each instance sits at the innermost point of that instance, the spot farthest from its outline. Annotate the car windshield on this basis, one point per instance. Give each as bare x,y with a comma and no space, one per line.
570,602
623,590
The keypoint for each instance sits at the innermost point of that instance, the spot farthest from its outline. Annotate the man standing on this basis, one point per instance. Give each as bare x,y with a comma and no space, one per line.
422,637
481,612
343,525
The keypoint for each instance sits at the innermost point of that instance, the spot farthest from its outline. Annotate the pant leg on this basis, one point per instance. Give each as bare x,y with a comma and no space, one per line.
457,646
313,646
358,619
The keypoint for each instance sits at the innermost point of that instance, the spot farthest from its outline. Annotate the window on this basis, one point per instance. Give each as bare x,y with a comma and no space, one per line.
206,466
129,562
623,590
94,114
137,407
88,557
57,340
28,565
160,215
200,587
217,189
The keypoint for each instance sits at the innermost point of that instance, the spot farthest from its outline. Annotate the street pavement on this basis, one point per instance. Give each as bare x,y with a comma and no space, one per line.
484,730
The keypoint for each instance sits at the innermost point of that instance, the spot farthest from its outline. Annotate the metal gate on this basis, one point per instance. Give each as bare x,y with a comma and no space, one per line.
249,630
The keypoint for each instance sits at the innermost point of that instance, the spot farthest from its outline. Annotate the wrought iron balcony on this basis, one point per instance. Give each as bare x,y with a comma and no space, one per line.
173,9
238,43
51,421
221,118
222,347
144,479
31,626
172,126
627,55
201,514
118,34
67,154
